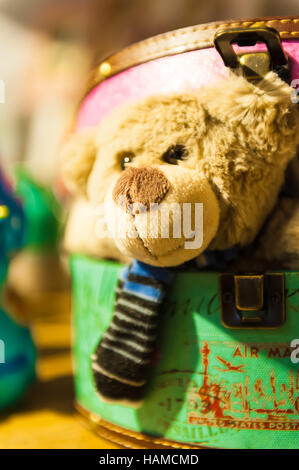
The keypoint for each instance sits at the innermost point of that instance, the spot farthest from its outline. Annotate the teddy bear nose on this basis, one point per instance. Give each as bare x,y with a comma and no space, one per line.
137,188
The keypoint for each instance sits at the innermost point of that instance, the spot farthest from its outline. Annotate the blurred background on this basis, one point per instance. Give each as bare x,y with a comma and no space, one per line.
47,48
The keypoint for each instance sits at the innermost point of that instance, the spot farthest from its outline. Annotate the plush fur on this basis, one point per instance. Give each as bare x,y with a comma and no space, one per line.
238,139
78,157
279,241
86,232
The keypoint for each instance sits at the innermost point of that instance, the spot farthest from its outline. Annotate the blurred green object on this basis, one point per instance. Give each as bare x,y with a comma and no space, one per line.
17,351
42,211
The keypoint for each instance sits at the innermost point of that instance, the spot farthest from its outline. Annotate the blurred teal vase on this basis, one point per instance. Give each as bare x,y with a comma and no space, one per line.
17,360
17,351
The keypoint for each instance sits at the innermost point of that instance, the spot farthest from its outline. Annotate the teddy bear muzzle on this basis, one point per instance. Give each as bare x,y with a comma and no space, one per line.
162,216
138,188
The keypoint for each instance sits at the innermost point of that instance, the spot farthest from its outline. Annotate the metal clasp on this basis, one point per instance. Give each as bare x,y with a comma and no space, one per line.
254,65
252,300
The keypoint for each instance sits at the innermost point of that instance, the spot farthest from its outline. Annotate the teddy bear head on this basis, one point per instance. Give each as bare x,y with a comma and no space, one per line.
181,173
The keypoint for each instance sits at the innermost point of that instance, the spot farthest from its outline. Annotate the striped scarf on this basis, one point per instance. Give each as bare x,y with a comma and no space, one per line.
121,361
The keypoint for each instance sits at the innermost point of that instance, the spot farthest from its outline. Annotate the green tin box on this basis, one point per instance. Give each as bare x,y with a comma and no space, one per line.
211,385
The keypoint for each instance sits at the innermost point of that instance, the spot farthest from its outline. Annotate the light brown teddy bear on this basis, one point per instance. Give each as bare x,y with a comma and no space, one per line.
227,147
223,148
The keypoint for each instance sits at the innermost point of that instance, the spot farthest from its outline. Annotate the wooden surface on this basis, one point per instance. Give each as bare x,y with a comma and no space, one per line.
46,418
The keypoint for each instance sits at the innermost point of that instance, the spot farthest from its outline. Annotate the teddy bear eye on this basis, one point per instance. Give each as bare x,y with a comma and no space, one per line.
175,153
125,159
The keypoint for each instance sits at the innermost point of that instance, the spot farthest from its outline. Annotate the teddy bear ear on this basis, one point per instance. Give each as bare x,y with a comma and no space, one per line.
237,99
76,160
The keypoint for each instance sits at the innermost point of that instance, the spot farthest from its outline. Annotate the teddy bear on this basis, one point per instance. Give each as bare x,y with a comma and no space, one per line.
218,156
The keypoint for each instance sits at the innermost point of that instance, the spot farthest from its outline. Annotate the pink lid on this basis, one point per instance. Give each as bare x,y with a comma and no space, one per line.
170,74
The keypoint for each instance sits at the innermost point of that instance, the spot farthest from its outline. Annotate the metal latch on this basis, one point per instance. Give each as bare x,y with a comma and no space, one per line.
254,65
252,300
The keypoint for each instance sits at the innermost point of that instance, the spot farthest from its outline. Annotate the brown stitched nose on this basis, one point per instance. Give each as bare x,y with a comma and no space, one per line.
140,186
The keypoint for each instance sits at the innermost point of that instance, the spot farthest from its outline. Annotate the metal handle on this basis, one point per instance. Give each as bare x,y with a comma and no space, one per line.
277,59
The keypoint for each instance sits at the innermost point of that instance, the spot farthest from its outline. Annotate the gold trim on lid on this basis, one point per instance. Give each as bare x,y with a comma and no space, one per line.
182,40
